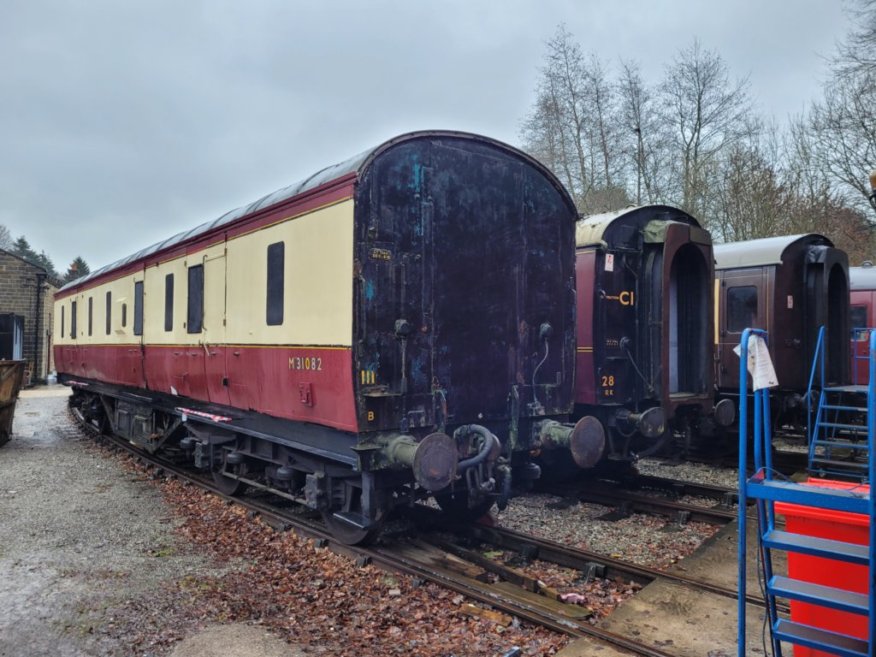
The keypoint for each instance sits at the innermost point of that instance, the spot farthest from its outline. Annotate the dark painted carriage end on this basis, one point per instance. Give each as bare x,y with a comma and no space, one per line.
789,286
645,326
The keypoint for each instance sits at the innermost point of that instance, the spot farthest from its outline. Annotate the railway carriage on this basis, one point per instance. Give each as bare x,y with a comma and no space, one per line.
790,286
397,325
644,362
862,316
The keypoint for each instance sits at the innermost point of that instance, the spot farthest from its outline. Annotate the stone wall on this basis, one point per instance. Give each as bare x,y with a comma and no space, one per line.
24,291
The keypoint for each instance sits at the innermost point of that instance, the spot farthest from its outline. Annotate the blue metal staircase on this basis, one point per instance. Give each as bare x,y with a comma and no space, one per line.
838,434
766,487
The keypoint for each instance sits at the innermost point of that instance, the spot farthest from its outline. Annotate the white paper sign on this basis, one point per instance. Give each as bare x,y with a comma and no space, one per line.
609,262
760,365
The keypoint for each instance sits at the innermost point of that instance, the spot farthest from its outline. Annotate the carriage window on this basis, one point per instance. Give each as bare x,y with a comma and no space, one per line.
858,316
109,312
138,308
276,257
124,315
90,314
62,321
741,308
73,320
195,317
168,302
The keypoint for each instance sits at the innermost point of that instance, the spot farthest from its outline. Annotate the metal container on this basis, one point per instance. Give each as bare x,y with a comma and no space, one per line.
11,375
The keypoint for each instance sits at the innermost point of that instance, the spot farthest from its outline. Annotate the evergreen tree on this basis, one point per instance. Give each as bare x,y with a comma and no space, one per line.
76,269
22,249
46,263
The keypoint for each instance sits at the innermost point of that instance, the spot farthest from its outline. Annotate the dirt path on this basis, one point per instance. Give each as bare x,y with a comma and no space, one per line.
84,543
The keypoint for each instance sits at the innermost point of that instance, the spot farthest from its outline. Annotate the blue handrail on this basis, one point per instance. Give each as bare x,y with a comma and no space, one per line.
760,487
743,477
871,479
817,364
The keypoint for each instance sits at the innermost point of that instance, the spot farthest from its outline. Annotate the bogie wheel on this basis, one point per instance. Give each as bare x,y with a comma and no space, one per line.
350,534
455,506
346,520
229,485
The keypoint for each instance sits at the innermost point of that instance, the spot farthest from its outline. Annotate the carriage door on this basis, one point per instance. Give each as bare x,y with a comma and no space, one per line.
686,313
837,324
742,304
211,349
133,365
677,278
827,299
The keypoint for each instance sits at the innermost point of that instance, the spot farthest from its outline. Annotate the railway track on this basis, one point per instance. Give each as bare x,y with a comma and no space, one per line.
627,502
449,563
642,494
787,462
591,562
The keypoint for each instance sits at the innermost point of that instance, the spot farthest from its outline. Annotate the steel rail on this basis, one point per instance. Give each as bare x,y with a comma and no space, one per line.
386,560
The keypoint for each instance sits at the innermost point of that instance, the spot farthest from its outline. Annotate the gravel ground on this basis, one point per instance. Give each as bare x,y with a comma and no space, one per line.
643,539
646,540
694,472
102,560
83,542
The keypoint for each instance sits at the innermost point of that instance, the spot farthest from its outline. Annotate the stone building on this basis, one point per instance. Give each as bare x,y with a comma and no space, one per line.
26,294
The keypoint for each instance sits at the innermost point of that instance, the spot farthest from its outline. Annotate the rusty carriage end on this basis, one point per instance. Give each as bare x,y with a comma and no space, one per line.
11,376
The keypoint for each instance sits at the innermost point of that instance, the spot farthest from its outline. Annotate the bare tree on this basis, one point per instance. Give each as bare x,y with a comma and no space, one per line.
749,198
803,165
546,137
857,54
843,131
851,231
607,189
573,128
839,132
563,81
640,135
705,113
6,241
693,142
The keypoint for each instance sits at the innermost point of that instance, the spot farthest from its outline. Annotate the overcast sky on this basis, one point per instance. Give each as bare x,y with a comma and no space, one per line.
123,122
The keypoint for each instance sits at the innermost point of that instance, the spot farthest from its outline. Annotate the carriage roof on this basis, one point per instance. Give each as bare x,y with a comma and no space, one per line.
592,229
764,251
349,168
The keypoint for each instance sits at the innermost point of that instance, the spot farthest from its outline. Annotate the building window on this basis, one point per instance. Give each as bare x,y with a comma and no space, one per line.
276,259
138,308
195,315
73,320
109,312
741,308
62,321
168,302
90,315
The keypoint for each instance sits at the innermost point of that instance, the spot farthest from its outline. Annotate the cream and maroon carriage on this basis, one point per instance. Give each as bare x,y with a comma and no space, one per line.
397,325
